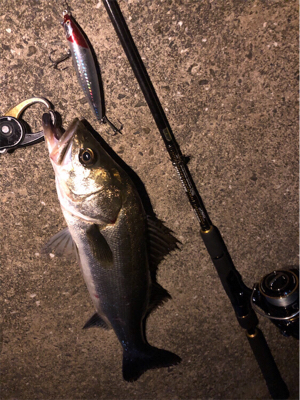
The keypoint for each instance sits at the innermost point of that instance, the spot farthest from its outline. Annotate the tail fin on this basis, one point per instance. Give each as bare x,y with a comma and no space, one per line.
136,363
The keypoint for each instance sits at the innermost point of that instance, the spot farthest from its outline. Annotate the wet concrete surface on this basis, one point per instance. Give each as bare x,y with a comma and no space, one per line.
227,76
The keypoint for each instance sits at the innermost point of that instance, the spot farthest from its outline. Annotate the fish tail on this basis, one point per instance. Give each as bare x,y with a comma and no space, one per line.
136,363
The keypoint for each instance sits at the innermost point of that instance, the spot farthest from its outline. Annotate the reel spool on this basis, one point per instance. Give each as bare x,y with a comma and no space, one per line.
277,297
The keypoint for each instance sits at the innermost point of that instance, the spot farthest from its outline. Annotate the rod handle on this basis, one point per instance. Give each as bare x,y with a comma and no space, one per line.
232,282
277,387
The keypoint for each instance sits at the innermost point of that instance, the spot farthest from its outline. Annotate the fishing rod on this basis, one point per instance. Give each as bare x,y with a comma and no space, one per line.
238,293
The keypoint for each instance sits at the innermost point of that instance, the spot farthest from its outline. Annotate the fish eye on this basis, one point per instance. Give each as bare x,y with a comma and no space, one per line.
87,157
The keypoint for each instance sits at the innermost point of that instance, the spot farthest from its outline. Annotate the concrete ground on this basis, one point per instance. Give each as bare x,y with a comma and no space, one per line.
226,73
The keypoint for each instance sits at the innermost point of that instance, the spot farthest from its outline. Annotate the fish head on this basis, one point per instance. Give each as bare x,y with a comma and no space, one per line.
88,180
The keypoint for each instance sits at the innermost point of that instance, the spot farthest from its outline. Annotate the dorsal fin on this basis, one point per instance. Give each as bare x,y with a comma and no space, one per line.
160,243
158,296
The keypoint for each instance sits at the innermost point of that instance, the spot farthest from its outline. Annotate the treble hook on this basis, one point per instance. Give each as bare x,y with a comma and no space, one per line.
59,60
105,120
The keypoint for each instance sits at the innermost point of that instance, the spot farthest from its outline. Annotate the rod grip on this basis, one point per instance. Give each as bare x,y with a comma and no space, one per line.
232,282
277,387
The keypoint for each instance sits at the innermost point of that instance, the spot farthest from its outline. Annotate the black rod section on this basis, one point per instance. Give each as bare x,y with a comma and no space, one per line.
138,67
234,287
239,295
265,360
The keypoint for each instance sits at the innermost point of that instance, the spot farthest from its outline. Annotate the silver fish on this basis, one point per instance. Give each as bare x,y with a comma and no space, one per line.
118,247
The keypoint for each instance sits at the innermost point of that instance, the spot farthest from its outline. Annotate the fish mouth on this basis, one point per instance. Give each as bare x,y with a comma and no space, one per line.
59,142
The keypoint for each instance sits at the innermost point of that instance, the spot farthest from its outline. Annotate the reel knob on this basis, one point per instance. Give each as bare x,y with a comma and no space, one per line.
11,132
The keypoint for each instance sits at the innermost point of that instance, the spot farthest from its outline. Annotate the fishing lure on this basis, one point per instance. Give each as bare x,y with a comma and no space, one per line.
86,66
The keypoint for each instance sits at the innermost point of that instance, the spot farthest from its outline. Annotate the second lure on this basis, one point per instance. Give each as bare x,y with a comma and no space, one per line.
87,70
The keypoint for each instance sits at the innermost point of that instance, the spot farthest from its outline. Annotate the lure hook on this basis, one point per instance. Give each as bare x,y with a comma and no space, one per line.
59,60
116,130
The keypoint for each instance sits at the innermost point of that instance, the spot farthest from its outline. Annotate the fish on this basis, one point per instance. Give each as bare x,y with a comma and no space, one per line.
117,245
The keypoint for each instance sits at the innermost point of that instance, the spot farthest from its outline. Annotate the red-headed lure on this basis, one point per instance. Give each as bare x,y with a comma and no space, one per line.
86,66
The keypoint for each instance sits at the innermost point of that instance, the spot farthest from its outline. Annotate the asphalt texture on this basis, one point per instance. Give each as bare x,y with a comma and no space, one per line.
226,73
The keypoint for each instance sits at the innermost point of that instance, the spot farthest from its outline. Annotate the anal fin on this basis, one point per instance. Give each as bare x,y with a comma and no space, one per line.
96,320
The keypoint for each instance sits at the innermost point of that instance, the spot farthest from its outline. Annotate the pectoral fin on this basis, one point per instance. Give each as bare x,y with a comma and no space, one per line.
99,247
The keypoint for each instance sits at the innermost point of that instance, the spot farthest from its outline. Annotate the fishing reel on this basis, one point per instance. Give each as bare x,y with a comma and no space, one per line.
14,132
276,297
